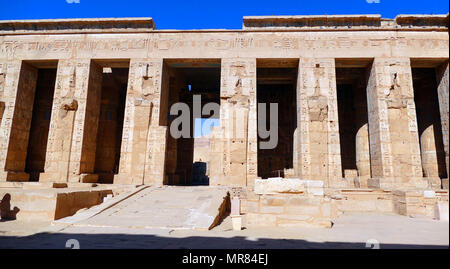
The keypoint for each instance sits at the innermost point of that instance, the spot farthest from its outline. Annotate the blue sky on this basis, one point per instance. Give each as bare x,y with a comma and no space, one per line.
202,126
209,14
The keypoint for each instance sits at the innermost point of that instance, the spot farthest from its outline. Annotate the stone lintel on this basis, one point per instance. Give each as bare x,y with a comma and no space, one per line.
103,25
345,21
311,21
296,22
323,21
414,20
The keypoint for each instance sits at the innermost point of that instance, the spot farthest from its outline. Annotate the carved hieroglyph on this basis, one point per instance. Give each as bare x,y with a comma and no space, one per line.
144,140
76,106
11,71
236,139
443,88
394,139
18,96
395,156
317,132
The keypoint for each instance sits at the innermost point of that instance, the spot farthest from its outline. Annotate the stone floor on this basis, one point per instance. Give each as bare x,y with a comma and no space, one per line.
163,207
349,231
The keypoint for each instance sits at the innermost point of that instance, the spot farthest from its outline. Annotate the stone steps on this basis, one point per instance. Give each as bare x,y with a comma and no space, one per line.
167,207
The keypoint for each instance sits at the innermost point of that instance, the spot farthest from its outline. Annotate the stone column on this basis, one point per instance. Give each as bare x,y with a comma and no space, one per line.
73,125
90,108
428,155
443,85
3,67
394,140
234,150
18,85
362,149
144,140
172,82
317,122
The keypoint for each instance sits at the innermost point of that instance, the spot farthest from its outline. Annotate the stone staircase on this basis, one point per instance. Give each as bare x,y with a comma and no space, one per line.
166,207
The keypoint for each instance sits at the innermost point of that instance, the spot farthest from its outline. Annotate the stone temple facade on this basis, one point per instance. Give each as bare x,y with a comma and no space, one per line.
362,101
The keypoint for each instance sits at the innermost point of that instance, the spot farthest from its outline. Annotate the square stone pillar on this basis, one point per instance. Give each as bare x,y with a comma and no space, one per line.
73,125
394,141
362,144
317,146
443,79
17,88
234,149
144,140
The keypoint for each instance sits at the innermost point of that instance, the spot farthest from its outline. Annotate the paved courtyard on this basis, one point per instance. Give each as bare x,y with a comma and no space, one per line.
154,207
349,231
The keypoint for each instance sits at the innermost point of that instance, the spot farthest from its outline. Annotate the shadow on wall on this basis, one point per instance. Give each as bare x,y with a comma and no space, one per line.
5,208
2,110
145,241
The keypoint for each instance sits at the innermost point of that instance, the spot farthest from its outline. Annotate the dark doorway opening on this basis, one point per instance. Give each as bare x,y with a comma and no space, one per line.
429,122
347,126
276,83
351,82
40,122
188,158
110,123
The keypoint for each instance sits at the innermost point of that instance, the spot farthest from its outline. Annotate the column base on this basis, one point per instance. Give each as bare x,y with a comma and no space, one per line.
88,178
344,183
128,179
390,183
434,182
361,182
57,178
123,179
52,177
14,176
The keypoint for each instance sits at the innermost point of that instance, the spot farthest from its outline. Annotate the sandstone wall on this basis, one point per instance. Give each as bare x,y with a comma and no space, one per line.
395,156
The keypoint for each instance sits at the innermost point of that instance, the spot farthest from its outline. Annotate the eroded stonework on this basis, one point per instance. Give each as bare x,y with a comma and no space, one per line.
385,148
